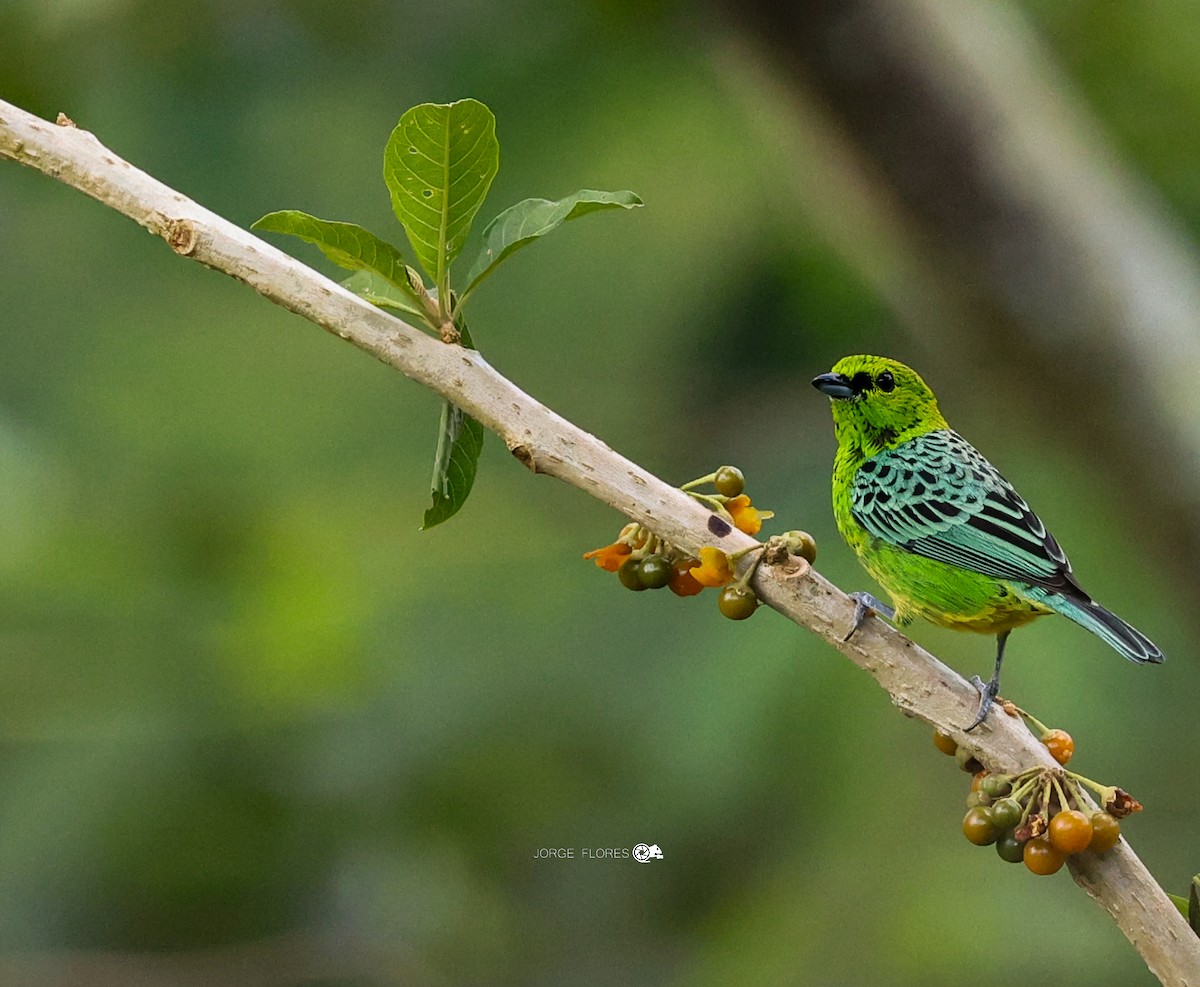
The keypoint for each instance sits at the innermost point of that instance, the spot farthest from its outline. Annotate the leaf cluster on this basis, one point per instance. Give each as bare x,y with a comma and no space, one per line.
438,165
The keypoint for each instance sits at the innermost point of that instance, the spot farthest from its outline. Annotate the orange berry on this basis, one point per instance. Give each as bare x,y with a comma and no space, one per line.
1041,858
978,828
944,742
1060,745
1105,833
1070,831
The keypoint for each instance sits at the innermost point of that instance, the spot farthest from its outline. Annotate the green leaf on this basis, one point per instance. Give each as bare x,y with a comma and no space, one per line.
347,245
1193,912
460,440
438,165
1179,902
379,291
532,218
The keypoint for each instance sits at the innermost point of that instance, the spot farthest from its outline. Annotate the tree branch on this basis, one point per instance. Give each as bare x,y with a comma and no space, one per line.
545,442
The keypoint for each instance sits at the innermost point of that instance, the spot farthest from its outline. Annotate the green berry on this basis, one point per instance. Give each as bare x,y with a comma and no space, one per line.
996,786
630,575
729,481
1010,849
1006,813
654,572
737,603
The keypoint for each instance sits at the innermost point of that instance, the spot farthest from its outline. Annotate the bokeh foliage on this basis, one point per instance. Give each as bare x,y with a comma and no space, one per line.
242,698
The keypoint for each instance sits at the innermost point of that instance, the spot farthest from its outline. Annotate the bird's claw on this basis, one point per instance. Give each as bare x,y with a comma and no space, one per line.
987,696
865,605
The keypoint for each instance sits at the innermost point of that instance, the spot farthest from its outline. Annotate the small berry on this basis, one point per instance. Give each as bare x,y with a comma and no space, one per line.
944,742
654,572
1070,831
682,582
978,828
967,761
1006,813
1060,745
630,576
1041,858
729,481
996,786
1010,849
737,602
1105,833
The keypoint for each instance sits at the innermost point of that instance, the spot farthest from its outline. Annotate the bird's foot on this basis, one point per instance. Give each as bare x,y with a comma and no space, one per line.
987,696
865,605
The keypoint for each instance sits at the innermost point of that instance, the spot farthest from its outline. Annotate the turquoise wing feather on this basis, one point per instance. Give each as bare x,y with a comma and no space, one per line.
937,496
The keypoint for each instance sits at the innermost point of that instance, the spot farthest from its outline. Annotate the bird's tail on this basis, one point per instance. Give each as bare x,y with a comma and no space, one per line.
1107,626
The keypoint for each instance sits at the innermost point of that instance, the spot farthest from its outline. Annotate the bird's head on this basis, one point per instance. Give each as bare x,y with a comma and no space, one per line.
881,401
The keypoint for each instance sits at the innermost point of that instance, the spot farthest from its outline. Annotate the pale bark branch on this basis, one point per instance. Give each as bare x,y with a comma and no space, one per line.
916,681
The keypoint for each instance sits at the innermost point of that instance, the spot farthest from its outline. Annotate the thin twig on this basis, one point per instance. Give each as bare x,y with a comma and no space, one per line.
547,443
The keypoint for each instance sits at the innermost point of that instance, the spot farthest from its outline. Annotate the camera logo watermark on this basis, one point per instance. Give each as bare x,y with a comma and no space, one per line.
644,854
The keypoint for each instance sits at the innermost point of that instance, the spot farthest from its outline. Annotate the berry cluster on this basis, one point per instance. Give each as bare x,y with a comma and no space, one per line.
1040,816
642,560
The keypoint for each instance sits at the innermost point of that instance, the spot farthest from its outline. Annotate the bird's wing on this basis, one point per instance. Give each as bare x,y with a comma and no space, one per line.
937,496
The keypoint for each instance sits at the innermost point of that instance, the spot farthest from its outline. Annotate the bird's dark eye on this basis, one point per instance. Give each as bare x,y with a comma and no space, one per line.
885,381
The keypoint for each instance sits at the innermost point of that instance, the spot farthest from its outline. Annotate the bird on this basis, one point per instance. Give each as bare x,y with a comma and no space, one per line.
938,527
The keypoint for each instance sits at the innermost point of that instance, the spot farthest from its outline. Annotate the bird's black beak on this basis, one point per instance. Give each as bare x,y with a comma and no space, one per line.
835,385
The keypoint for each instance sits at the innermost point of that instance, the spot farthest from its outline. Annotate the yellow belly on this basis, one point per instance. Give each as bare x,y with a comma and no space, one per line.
947,595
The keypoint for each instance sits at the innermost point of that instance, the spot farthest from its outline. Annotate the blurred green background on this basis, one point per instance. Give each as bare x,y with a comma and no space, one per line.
256,728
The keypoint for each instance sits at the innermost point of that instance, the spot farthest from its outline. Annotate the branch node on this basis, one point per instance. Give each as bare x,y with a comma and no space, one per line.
64,121
181,236
793,567
524,455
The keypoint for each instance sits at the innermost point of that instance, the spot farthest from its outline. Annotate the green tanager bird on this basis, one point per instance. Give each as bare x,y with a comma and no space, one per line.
938,527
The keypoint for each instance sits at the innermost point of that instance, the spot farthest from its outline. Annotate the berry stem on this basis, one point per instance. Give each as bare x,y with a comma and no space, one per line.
1041,728
714,502
1106,792
1025,787
1062,796
743,581
692,484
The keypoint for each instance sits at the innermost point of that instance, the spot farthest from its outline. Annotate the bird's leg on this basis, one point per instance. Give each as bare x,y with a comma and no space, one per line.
989,690
865,605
